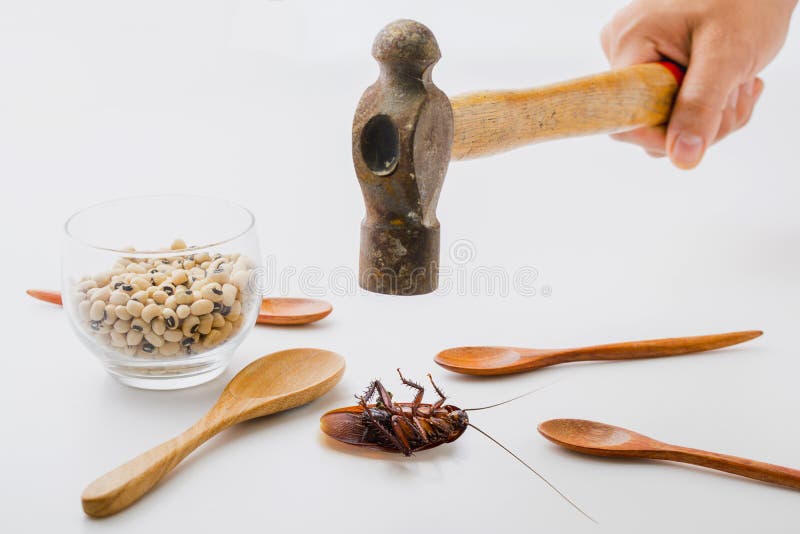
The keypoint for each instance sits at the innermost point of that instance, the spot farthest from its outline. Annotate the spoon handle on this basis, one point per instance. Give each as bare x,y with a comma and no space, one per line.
632,350
774,474
121,487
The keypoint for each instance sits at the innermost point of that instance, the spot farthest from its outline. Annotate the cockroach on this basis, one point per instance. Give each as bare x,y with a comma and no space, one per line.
409,427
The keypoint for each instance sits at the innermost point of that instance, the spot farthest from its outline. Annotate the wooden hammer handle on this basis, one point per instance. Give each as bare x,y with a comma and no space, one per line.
495,121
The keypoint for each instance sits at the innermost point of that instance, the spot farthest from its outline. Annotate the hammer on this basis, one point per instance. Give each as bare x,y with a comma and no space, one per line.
406,131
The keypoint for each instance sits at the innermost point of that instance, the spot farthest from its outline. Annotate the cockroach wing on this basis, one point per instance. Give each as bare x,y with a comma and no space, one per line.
347,425
344,424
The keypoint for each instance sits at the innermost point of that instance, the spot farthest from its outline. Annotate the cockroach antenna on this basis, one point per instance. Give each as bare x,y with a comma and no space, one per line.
535,472
513,399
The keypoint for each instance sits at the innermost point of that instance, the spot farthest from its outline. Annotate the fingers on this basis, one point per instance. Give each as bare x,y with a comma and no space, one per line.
652,139
704,106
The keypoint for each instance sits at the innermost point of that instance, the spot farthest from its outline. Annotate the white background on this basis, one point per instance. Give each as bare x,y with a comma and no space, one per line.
253,101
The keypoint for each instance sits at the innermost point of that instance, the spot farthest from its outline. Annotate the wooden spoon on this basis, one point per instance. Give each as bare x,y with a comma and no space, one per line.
508,360
277,311
601,439
268,385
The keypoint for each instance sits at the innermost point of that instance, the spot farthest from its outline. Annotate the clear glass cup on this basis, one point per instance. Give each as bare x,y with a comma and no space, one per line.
168,317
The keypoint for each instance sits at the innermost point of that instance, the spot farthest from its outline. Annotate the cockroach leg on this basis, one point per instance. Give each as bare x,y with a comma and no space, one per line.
382,431
400,433
385,399
442,396
369,392
418,397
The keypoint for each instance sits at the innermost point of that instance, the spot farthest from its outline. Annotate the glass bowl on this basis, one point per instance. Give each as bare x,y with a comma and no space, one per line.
162,289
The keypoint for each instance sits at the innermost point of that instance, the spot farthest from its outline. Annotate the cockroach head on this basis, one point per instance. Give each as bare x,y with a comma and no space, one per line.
459,419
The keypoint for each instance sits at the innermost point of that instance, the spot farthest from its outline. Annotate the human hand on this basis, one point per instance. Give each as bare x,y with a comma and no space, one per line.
724,43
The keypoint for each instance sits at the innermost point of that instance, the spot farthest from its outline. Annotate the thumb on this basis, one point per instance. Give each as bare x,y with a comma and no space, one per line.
697,114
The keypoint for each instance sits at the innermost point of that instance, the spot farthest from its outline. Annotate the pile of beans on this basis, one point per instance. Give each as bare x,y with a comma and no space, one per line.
179,305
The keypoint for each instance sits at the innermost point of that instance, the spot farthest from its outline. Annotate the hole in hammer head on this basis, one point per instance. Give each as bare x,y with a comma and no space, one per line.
380,145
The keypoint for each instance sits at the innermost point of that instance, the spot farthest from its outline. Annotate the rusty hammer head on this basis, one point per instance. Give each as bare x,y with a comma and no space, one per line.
405,130
402,134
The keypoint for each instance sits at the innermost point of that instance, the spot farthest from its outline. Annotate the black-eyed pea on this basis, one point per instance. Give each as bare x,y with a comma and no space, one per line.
102,278
227,328
171,302
212,291
221,275
190,325
206,322
200,257
133,337
101,293
243,263
185,297
173,335
86,285
187,264
150,312
83,310
159,326
127,287
202,307
151,290
219,320
109,314
178,244
103,328
136,268
197,286
169,348
236,311
179,276
229,292
159,278
119,298
241,279
140,326
123,327
160,297
122,313
187,342
118,339
183,311
147,348
170,317
168,288
134,307
141,283
140,296
154,339
130,351
212,339
97,311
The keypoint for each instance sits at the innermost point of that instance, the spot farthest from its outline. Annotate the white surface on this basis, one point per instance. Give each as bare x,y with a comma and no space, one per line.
253,101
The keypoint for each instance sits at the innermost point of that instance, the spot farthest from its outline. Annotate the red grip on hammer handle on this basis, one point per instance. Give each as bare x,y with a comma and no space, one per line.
677,70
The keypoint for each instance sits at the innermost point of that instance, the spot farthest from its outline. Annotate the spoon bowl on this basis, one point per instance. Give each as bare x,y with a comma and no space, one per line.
509,360
591,437
600,439
268,385
293,311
